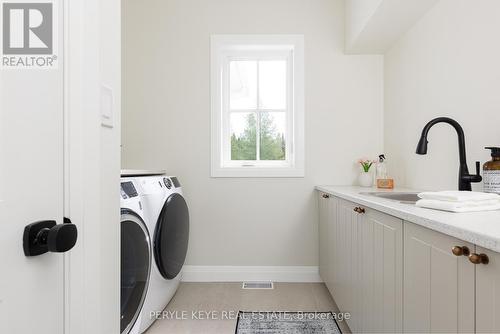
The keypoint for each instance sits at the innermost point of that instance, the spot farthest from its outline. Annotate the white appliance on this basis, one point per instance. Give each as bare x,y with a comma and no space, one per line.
155,232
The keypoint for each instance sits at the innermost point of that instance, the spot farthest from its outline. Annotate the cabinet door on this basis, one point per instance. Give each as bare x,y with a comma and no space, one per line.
331,240
346,292
438,286
325,252
488,293
381,273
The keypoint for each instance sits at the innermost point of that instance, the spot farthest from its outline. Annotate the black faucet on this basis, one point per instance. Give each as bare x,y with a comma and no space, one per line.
464,178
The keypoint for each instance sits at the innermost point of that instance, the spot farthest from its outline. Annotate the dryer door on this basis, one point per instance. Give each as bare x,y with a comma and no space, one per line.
171,236
135,268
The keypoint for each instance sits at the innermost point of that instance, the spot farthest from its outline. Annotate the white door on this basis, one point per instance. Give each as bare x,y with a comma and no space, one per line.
31,189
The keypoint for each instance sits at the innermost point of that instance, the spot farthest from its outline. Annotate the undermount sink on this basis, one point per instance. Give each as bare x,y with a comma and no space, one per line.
404,197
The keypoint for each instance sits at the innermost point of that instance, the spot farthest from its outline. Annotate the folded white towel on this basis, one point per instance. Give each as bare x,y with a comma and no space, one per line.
464,206
458,196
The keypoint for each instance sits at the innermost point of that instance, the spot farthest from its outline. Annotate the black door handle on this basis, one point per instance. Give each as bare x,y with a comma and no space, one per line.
47,236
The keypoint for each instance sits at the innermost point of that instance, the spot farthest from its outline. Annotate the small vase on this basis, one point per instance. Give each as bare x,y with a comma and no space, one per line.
365,179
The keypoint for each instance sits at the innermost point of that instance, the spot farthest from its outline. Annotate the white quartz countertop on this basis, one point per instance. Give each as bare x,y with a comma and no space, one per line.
480,228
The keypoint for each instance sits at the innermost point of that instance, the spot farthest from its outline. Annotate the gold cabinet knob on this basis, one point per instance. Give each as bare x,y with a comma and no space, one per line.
479,258
326,196
459,251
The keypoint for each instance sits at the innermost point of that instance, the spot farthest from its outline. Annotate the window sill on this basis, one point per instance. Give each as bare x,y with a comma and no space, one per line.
257,172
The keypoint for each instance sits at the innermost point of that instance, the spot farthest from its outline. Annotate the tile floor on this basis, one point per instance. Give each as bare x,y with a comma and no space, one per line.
226,299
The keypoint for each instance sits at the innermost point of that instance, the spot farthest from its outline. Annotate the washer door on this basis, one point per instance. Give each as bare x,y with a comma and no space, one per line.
135,268
171,236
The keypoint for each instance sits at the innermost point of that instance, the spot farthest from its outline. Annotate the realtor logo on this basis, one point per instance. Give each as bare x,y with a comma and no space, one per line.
28,35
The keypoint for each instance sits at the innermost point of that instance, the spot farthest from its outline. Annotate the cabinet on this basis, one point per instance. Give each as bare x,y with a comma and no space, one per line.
346,265
380,273
447,292
326,253
363,268
488,293
395,276
438,285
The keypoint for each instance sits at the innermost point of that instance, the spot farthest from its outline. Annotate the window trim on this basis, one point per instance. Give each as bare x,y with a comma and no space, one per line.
224,47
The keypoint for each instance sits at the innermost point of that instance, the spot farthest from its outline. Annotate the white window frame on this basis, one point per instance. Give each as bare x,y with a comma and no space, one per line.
225,48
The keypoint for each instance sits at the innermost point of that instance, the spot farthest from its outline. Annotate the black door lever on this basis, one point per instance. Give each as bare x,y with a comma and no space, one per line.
47,236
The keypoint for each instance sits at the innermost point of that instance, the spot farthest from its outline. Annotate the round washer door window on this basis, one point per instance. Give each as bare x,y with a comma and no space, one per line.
171,236
135,268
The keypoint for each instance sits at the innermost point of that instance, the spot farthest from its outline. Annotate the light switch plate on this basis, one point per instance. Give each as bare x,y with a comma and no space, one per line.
107,107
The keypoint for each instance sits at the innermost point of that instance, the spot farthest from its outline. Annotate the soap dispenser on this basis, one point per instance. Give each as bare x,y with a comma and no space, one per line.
382,180
491,172
381,170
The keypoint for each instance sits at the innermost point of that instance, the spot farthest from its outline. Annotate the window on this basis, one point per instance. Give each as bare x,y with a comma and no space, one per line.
257,106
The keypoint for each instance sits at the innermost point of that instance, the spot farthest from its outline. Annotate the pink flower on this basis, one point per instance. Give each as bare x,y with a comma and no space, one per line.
366,163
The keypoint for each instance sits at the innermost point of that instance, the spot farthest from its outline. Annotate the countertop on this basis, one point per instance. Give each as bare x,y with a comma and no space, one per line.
480,228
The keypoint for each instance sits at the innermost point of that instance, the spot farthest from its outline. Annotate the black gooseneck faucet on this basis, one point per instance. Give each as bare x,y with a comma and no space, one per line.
464,178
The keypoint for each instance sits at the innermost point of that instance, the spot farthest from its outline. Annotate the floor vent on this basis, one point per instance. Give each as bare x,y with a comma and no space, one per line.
258,285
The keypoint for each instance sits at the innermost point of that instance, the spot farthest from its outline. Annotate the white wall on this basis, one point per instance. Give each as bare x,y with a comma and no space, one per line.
166,121
447,65
373,26
358,13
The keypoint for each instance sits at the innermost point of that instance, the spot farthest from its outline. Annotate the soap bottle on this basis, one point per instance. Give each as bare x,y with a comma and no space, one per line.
491,172
381,171
383,182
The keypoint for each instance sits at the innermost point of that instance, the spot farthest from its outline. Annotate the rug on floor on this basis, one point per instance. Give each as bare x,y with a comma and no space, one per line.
286,323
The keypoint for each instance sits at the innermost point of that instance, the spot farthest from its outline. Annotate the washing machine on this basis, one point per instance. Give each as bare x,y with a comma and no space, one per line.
136,256
164,214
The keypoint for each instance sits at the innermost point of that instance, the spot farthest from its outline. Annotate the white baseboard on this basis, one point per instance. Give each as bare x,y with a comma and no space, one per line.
305,274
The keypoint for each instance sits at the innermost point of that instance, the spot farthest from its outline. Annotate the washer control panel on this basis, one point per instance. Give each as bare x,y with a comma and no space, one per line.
148,186
176,182
128,190
167,182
